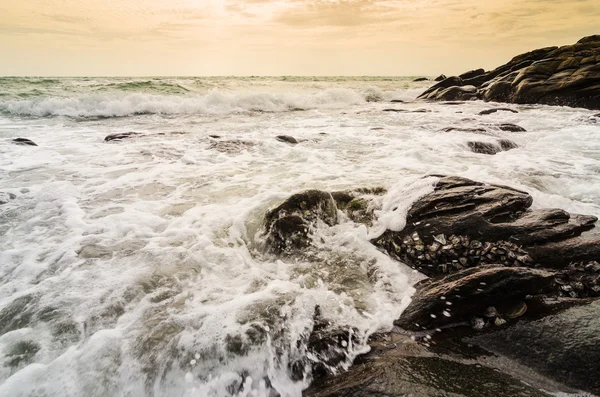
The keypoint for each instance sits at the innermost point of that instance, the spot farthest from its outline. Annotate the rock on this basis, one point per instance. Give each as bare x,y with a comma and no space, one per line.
421,79
487,224
24,142
6,197
215,136
597,115
395,110
471,292
471,74
511,127
454,93
397,101
441,77
377,128
287,139
289,226
563,76
491,148
565,346
121,136
490,111
359,204
459,129
394,374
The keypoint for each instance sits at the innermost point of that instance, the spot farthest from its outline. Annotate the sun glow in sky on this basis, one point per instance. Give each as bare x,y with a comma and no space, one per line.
281,37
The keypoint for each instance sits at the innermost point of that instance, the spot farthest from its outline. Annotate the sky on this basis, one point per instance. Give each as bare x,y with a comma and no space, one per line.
280,37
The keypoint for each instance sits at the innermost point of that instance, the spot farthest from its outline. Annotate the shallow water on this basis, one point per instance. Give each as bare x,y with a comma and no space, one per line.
135,268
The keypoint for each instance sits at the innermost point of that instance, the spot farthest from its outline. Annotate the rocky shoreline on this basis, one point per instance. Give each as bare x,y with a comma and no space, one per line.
563,76
493,265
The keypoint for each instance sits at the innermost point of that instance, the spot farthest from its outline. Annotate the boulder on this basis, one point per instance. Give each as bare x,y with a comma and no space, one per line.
501,145
121,136
563,76
24,142
490,111
441,77
289,226
465,223
287,139
511,127
421,79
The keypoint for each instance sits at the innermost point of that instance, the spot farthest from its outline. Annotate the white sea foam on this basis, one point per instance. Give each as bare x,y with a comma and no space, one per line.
122,263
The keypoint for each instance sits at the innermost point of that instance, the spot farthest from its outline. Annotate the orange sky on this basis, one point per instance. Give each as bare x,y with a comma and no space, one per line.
281,37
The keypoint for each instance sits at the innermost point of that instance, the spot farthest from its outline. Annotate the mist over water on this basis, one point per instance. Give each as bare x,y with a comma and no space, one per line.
136,268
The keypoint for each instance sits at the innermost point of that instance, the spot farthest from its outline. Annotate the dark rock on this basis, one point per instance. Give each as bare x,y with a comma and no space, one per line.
597,115
287,139
395,110
121,136
6,197
490,111
23,141
397,101
511,127
464,223
484,147
471,74
466,129
421,79
564,76
453,103
454,93
289,226
468,293
441,77
215,136
565,346
359,204
377,128
492,148
395,375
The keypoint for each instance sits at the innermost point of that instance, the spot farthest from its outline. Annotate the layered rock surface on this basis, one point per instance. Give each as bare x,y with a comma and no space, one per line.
565,76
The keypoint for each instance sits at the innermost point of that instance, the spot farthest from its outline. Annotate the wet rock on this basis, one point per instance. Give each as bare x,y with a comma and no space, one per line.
441,77
121,136
377,128
287,139
471,74
394,375
359,204
506,144
473,292
502,145
289,226
24,142
421,79
395,110
490,111
564,346
453,93
6,197
564,76
511,127
397,101
476,130
215,136
488,224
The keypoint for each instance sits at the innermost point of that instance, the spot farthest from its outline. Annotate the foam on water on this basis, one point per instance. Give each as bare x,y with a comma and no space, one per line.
135,269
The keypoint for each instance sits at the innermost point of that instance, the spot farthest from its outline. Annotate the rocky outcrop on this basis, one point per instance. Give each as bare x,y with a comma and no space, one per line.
564,76
464,223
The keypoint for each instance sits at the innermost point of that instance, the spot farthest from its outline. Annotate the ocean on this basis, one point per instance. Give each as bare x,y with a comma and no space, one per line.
136,268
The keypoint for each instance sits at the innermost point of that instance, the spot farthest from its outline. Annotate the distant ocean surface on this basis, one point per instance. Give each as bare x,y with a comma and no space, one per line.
135,268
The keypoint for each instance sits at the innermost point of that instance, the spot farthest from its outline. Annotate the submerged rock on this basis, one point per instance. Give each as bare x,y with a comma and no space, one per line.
24,142
564,76
6,197
289,226
502,145
465,129
121,136
487,224
490,111
511,127
231,146
287,139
